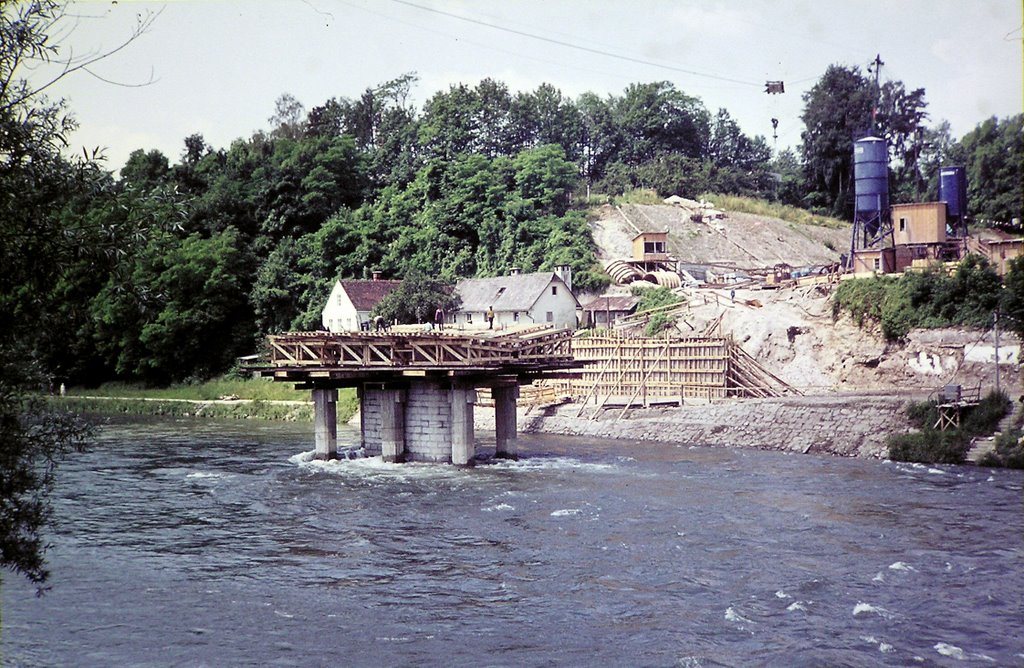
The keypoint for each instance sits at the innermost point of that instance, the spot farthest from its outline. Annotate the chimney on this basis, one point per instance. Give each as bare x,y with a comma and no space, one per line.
376,275
564,272
514,271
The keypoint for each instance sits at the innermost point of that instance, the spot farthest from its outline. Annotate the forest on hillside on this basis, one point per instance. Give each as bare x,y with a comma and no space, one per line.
180,264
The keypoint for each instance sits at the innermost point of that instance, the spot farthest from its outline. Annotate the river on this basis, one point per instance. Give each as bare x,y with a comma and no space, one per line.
186,543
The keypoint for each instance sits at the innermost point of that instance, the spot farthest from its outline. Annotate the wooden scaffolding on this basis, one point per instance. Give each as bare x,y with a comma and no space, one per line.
641,371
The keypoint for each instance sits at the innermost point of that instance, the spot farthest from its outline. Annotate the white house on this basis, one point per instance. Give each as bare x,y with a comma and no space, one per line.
543,298
351,301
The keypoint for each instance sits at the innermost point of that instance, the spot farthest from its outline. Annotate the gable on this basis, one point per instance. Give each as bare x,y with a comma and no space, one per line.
365,294
508,293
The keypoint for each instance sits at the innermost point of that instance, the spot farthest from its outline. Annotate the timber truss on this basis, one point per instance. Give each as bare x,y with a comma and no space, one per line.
306,356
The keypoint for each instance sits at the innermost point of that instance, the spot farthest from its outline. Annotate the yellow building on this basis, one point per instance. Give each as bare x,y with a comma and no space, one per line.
650,247
915,224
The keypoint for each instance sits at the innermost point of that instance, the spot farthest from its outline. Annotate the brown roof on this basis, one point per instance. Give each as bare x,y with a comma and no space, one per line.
621,304
367,294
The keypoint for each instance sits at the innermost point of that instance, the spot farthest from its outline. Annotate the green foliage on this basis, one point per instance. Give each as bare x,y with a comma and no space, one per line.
654,298
838,110
47,243
416,300
922,299
216,388
930,446
1011,304
1008,453
984,418
993,156
182,294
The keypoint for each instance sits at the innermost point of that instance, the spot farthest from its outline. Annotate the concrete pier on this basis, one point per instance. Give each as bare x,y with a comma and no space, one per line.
505,421
462,436
325,423
423,420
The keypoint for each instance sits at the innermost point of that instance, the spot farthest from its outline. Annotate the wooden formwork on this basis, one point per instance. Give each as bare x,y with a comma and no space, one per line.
630,371
647,369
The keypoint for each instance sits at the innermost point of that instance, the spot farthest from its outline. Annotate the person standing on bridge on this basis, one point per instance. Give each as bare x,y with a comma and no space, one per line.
439,318
490,317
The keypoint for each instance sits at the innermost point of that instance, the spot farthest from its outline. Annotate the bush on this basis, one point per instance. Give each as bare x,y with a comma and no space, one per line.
1009,451
922,414
984,418
928,447
926,299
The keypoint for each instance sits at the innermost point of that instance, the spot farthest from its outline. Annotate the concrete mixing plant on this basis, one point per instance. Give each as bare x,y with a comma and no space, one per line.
872,242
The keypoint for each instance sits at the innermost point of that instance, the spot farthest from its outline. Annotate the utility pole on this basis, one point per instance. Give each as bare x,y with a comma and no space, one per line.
995,326
876,67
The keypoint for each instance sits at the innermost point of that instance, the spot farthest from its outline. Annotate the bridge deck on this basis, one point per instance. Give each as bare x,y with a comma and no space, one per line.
352,357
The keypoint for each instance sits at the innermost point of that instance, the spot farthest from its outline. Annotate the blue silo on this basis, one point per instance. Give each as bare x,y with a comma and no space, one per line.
870,177
953,190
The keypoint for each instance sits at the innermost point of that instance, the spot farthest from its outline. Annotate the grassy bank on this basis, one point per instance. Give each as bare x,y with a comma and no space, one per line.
218,388
785,212
223,398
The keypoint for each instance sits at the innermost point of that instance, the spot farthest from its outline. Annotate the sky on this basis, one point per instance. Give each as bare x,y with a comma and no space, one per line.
216,67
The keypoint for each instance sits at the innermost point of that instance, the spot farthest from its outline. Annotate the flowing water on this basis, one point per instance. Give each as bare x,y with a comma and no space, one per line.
220,544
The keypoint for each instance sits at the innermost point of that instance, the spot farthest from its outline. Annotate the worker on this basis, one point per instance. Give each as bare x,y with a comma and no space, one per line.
490,317
439,318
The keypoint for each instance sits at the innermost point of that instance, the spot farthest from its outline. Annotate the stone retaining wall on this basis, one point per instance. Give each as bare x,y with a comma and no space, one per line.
851,426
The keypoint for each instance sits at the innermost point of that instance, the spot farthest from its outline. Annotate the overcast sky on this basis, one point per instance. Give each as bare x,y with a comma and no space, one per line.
217,66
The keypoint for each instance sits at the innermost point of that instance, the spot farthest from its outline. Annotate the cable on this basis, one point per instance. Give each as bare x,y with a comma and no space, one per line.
578,47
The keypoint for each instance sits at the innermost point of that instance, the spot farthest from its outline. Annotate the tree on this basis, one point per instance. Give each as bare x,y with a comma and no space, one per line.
837,110
36,243
416,299
840,109
993,156
1011,305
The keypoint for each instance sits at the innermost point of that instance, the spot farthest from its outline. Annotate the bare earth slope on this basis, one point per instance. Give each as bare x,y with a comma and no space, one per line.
792,331
742,239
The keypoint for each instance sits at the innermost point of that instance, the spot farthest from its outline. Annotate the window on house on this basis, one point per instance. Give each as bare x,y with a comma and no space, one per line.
554,289
469,318
903,224
339,299
515,316
550,317
878,263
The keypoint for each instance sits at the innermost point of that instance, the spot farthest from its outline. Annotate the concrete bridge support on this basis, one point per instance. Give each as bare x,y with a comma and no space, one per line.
325,423
505,421
419,420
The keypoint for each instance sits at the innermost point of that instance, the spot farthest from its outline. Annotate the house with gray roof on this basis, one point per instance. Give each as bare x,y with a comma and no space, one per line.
542,298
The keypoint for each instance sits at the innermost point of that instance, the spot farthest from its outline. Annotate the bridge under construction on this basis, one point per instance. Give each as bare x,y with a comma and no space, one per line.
417,389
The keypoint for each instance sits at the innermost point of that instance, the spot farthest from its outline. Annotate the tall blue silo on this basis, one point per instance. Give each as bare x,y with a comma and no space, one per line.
953,190
870,178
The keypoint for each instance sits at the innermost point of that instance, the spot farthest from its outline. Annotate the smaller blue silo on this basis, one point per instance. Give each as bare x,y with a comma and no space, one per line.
870,177
953,190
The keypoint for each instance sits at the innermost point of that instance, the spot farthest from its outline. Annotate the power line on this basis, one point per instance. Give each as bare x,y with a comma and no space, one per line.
578,47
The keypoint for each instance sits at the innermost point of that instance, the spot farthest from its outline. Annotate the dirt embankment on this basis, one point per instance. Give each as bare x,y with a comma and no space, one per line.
854,383
792,331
